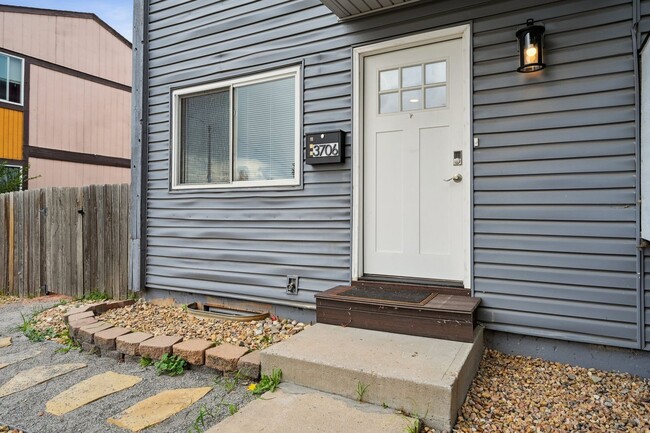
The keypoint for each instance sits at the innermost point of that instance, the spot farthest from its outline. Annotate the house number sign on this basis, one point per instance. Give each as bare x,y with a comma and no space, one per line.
326,147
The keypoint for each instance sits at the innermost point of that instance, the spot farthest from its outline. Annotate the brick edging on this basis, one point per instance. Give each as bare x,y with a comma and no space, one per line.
103,339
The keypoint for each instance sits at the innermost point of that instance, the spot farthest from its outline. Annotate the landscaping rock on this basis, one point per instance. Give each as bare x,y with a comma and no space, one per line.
193,351
156,347
224,357
249,365
129,344
105,340
85,333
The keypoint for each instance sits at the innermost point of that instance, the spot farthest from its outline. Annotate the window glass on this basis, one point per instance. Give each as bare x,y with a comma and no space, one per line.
15,80
242,132
389,80
389,103
412,76
436,72
4,60
412,88
436,96
265,142
205,138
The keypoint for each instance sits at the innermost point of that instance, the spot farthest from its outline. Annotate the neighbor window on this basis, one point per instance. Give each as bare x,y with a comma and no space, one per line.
11,79
239,133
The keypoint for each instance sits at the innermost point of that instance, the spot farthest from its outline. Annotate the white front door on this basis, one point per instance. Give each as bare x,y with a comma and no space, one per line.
416,163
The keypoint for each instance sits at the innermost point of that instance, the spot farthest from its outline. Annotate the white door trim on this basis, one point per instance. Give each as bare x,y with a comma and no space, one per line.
358,55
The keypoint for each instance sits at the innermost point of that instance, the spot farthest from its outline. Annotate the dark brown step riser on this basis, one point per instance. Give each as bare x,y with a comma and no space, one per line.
456,327
374,308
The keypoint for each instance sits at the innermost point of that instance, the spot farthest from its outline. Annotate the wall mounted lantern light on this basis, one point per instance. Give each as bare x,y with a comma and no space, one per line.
531,47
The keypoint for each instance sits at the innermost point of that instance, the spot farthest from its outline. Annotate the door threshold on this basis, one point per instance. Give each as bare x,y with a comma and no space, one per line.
412,281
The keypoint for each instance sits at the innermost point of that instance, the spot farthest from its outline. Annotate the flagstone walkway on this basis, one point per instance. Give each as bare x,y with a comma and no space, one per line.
45,391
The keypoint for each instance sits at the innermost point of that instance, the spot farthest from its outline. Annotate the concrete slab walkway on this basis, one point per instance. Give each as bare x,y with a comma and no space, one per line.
294,409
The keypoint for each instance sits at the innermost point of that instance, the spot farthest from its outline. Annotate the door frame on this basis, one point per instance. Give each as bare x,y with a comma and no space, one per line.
358,55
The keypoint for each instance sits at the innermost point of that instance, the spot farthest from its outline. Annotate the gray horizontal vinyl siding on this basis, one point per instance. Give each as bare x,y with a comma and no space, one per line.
554,176
644,28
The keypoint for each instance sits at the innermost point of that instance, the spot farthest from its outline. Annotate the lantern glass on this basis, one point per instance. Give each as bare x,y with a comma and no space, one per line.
531,48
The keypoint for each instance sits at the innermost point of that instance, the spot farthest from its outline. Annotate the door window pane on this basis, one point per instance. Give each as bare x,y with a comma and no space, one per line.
389,103
205,138
265,130
436,72
436,96
412,100
412,76
389,80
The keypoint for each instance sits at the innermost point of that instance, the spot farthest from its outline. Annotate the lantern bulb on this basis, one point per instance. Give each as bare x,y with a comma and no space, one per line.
531,52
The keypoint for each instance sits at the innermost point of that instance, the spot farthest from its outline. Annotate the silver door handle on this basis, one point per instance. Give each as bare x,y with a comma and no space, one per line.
456,178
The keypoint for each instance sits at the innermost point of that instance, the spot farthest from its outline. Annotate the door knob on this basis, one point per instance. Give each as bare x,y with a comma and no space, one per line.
456,178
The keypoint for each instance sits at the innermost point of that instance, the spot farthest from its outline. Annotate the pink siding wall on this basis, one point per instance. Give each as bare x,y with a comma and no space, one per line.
60,173
77,43
69,113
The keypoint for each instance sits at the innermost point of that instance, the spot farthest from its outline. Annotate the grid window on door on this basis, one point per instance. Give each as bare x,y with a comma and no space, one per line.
412,88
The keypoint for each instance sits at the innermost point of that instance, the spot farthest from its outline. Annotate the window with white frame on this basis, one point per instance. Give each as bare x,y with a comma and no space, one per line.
11,79
238,133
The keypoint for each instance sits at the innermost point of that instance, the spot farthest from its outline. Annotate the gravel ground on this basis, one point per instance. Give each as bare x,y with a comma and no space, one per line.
519,394
510,393
175,320
26,409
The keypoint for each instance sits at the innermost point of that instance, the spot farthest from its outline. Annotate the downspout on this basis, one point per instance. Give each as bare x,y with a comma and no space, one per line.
641,244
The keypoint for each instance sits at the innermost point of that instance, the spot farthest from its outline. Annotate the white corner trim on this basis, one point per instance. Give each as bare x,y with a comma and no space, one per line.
358,54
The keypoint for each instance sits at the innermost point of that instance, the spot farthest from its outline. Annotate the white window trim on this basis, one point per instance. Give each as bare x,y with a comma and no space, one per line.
22,81
231,84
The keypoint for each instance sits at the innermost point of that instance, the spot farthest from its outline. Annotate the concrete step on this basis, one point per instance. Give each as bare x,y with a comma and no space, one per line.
426,377
294,409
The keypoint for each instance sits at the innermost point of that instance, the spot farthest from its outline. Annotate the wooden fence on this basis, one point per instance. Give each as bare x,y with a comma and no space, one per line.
69,241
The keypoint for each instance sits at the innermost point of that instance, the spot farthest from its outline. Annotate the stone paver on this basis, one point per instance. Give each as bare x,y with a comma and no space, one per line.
74,327
105,340
90,390
156,347
7,360
79,310
224,357
158,408
5,342
86,333
27,379
129,344
249,364
193,351
74,317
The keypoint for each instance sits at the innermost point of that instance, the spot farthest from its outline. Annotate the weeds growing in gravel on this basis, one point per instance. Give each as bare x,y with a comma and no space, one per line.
35,335
198,426
145,362
171,365
361,390
229,383
68,343
268,383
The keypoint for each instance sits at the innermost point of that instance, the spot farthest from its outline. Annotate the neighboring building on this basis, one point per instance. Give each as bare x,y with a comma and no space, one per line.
65,97
522,189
